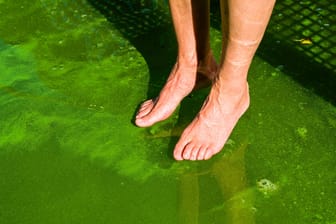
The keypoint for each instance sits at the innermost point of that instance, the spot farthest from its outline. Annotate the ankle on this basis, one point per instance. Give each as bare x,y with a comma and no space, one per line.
234,86
187,60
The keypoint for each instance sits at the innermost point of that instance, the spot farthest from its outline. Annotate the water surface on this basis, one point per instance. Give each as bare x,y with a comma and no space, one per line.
70,81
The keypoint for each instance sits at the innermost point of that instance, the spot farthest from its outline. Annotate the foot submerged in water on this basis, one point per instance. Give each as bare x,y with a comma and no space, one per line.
208,132
181,81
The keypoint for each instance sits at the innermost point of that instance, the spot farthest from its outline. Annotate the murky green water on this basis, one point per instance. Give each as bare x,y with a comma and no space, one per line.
70,82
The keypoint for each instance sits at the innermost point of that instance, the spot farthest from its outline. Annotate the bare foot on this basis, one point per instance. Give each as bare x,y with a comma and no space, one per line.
211,128
181,81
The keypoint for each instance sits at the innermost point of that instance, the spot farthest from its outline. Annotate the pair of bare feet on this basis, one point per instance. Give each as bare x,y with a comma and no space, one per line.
210,129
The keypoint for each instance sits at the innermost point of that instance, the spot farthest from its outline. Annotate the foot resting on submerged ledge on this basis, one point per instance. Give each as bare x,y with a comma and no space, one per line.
182,80
208,132
243,26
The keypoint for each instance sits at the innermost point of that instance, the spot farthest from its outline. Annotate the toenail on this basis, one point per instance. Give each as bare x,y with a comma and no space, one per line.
179,157
186,156
207,154
200,155
194,155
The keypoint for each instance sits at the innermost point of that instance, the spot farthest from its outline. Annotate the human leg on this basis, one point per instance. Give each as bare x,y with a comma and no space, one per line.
191,23
207,66
229,96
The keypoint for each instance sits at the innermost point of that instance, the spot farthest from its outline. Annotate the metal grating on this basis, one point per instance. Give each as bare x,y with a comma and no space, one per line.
308,26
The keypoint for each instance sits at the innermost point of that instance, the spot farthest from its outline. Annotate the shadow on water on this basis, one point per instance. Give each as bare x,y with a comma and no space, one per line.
300,67
149,29
294,63
146,25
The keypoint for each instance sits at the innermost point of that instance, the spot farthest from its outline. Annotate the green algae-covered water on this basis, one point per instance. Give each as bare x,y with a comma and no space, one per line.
72,73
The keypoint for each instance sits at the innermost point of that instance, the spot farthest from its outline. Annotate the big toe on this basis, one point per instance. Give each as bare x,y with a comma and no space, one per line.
144,121
178,151
141,116
145,108
190,152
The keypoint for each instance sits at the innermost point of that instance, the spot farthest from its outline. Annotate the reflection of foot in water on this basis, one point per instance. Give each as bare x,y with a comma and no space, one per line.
181,81
229,172
189,199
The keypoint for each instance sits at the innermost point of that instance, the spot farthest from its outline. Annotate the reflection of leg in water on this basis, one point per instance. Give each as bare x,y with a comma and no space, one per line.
238,200
189,197
229,172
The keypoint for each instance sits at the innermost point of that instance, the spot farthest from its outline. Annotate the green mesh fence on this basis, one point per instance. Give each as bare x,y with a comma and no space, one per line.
309,27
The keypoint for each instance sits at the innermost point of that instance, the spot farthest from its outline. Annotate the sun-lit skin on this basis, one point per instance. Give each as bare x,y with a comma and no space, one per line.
243,28
194,56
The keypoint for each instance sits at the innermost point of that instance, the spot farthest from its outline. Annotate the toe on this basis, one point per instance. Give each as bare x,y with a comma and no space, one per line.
212,150
179,148
145,108
178,155
201,153
194,153
150,101
208,153
143,111
186,154
142,122
147,119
